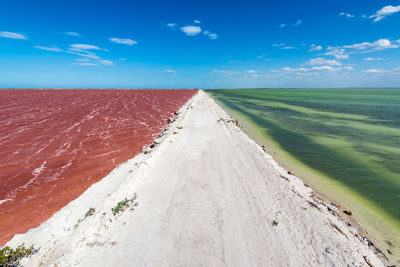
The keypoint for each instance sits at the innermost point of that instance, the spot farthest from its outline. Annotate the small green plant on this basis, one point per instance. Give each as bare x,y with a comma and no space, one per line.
11,257
275,223
124,204
175,133
179,127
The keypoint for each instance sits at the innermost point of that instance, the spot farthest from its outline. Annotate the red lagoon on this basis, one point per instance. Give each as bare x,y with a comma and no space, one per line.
54,144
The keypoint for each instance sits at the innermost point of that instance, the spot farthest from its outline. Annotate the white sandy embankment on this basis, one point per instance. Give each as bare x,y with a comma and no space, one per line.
206,196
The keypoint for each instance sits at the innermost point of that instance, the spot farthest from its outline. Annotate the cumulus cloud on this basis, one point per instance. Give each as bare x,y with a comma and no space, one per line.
315,47
342,52
73,34
298,22
197,21
384,12
283,25
287,47
191,30
380,44
49,48
347,15
13,35
323,61
337,52
125,41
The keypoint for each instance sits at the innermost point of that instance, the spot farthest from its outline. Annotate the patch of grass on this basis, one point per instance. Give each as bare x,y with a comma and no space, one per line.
175,133
275,223
11,257
123,205
179,127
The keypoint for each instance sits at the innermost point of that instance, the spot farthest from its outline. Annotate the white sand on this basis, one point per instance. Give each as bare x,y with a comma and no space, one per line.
207,196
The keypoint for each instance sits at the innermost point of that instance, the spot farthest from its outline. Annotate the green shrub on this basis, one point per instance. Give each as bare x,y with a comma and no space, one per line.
11,257
121,206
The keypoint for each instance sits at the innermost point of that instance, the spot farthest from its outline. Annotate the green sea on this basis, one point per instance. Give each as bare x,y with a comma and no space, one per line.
345,143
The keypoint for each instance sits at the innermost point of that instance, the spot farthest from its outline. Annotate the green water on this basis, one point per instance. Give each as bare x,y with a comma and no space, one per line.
344,142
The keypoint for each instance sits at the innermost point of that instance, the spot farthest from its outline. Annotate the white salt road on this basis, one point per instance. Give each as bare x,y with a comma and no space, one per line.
207,196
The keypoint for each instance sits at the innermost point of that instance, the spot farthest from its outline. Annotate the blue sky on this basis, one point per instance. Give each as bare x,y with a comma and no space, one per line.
199,44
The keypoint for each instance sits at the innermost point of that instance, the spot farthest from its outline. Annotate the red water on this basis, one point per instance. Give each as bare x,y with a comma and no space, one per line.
54,144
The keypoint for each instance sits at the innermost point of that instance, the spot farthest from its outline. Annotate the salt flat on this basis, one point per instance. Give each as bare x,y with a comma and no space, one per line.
206,196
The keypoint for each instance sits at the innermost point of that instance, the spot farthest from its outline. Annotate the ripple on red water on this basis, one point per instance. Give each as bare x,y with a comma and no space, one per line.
54,144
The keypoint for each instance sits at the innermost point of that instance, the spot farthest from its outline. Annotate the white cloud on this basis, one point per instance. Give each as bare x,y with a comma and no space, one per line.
106,62
226,72
384,12
126,41
13,35
122,59
283,25
375,71
315,47
83,59
191,30
84,64
87,54
347,15
324,68
171,25
295,69
372,58
287,47
251,71
278,45
73,34
342,52
323,61
316,69
380,44
337,52
213,36
83,47
197,21
49,48
298,22
170,71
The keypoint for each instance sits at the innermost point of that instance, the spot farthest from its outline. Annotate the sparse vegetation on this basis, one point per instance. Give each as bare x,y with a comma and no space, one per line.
11,257
175,133
275,223
90,212
179,127
123,205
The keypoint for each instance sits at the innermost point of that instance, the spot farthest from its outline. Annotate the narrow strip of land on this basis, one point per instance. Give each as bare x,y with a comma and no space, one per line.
206,196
